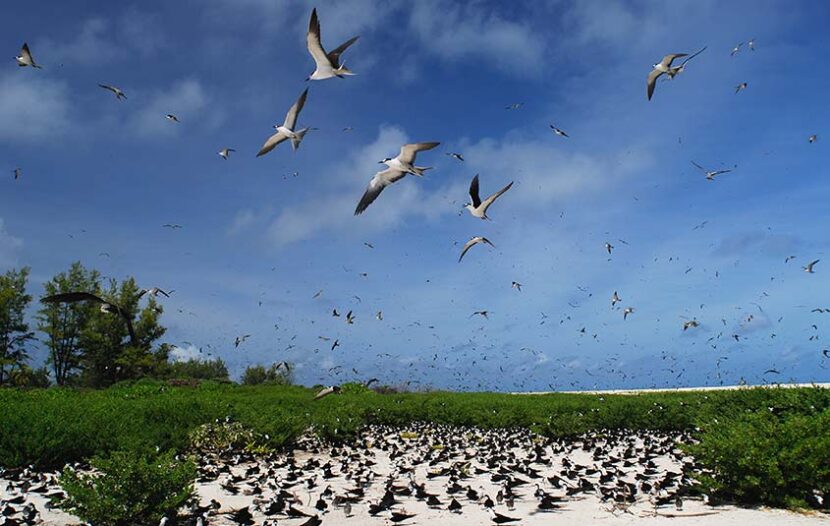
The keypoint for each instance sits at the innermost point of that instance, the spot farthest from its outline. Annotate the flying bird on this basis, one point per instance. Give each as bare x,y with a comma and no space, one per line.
736,49
106,306
609,247
691,324
26,58
809,267
741,86
812,138
478,208
239,340
379,315
172,118
474,241
17,173
327,64
119,95
350,318
455,155
154,292
710,174
615,298
627,311
676,70
286,130
659,69
514,106
751,44
334,389
171,226
558,132
224,153
516,285
397,168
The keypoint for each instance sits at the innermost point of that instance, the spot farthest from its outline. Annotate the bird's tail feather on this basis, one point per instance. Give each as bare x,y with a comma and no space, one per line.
419,170
298,138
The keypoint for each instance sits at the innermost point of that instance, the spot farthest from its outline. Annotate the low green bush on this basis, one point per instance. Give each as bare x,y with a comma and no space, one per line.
780,460
129,488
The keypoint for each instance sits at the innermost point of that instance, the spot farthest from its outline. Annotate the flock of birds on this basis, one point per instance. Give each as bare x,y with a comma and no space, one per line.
424,473
329,65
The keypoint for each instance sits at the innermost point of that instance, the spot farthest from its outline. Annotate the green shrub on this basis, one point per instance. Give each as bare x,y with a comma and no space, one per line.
222,436
778,460
128,488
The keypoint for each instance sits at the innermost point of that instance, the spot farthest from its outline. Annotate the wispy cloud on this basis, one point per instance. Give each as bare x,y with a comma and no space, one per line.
33,107
9,245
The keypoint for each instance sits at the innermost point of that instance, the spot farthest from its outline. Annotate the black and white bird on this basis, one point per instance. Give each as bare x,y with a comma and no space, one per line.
751,44
676,70
119,95
812,138
609,247
690,324
286,129
661,68
615,298
710,174
472,242
26,58
516,285
172,118
627,311
809,267
455,155
740,87
558,131
397,168
224,153
327,64
154,292
736,49
514,106
478,208
498,518
17,173
106,307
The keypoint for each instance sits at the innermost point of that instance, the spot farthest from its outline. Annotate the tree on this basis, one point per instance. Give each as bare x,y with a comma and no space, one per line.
197,369
14,331
279,374
108,355
63,323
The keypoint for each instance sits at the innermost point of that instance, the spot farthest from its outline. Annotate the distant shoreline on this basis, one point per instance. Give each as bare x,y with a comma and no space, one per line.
678,389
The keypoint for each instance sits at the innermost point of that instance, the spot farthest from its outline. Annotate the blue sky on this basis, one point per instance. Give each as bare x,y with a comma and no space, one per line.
103,176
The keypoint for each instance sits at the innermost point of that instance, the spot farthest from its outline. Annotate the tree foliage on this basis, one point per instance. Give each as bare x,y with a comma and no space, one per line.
14,331
279,374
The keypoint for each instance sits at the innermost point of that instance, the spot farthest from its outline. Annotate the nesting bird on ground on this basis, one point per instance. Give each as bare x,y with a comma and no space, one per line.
119,95
659,69
327,64
478,208
809,267
334,389
286,129
224,153
474,241
397,168
25,58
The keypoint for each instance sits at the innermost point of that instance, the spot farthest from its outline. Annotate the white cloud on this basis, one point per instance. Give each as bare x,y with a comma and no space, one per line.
9,246
460,31
185,99
183,354
32,107
90,46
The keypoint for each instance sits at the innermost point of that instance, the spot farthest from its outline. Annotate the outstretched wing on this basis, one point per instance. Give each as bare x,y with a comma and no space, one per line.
474,192
334,55
294,111
315,47
271,143
651,81
489,200
409,151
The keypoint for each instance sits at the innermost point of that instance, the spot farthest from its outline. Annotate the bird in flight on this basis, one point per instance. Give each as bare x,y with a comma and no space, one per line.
397,168
239,340
690,324
812,138
17,173
710,174
676,70
106,307
171,226
455,155
224,153
119,95
516,285
615,298
154,292
350,318
627,311
327,64
736,49
286,130
751,44
472,242
172,118
483,313
609,247
809,267
740,87
514,106
662,67
558,132
26,58
478,208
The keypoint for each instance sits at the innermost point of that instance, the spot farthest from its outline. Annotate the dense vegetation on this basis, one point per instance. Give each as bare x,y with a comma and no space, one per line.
767,445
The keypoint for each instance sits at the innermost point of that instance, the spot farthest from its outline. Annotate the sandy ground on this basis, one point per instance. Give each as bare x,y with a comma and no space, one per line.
583,509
